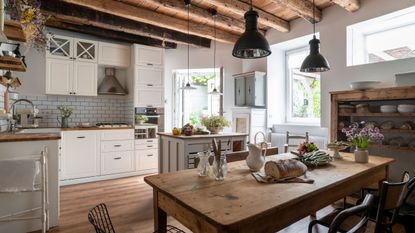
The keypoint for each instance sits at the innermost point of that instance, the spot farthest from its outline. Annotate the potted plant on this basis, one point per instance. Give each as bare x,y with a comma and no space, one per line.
215,124
65,113
141,119
361,139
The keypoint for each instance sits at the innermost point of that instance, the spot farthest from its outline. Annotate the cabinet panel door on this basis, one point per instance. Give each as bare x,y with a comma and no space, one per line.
114,55
85,78
59,76
146,76
60,47
117,162
149,97
240,91
80,157
250,91
148,56
85,50
146,159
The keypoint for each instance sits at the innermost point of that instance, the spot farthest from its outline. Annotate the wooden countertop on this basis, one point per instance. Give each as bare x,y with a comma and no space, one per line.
21,137
94,128
203,135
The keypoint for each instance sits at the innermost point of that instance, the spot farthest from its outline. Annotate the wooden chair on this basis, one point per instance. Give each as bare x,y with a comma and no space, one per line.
100,219
339,218
240,155
290,137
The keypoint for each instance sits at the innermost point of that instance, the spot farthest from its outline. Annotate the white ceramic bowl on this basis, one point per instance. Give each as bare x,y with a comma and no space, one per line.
362,85
388,108
405,108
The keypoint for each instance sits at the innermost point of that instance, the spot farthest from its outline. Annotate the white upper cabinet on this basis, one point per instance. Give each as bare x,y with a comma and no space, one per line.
149,97
149,76
60,47
148,56
85,50
114,55
250,89
85,79
71,66
59,74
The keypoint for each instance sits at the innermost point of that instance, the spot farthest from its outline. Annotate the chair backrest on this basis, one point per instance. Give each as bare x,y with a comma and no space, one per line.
100,219
291,137
241,155
361,210
391,198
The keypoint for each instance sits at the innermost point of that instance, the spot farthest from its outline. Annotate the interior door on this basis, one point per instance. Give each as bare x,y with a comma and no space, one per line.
59,76
85,78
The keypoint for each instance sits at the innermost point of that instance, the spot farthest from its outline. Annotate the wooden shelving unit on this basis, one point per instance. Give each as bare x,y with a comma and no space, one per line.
12,63
374,98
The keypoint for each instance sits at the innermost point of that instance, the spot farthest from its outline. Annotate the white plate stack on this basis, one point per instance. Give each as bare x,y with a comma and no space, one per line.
406,108
388,108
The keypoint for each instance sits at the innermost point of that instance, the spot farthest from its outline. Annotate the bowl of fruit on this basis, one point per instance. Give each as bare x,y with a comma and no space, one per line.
306,147
187,129
337,146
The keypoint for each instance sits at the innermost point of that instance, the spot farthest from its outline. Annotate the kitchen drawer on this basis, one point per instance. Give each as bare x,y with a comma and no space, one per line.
109,146
117,162
146,159
145,146
124,134
146,141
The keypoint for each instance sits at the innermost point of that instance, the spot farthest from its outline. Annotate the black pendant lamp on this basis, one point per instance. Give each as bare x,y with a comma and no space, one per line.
215,90
188,86
314,62
252,44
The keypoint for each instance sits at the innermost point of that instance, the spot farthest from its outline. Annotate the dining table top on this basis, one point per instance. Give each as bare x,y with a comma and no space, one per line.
240,197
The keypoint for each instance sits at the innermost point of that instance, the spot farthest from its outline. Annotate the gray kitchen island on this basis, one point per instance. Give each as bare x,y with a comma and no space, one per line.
177,152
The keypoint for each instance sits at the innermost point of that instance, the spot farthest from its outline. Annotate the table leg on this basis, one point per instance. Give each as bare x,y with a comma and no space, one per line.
160,216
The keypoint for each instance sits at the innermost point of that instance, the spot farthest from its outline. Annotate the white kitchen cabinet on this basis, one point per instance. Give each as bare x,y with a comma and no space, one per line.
146,159
148,56
149,97
149,76
249,120
117,162
80,156
59,75
250,89
71,66
113,55
85,78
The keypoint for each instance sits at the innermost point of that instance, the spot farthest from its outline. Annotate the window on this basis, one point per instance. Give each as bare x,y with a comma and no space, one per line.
386,38
191,105
303,90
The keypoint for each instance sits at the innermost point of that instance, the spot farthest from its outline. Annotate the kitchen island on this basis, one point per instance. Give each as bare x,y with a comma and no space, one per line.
19,145
177,152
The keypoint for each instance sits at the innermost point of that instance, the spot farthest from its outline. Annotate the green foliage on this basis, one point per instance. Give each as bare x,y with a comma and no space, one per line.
194,119
141,118
215,122
202,80
65,111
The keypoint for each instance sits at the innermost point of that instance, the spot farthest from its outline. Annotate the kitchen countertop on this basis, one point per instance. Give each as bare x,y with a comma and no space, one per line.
203,135
94,128
21,137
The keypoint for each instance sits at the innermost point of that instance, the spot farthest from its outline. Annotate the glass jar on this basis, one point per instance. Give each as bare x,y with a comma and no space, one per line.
220,168
203,166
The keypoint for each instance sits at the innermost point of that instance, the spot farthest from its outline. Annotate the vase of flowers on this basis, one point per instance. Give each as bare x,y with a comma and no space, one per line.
361,138
215,124
65,113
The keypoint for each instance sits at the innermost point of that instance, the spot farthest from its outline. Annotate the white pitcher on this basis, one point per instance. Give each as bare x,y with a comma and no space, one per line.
256,157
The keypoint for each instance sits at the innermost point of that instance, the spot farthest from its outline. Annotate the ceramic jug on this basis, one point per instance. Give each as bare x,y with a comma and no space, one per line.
256,156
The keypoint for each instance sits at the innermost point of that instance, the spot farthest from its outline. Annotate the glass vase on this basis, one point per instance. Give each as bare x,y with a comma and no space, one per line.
220,168
203,166
361,155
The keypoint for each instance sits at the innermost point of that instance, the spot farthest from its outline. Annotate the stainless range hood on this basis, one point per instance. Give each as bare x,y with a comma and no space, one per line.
110,84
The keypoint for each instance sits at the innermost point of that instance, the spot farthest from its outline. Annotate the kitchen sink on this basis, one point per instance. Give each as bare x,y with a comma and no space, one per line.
38,130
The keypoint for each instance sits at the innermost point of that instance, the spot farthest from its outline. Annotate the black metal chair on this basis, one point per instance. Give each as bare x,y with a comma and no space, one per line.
100,219
407,211
351,220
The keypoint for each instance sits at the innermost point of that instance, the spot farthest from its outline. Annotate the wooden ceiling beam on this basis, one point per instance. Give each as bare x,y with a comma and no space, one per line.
349,5
238,7
302,8
150,17
75,14
177,7
110,34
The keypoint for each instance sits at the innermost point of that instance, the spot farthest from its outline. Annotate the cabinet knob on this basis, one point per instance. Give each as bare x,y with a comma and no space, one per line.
149,146
149,140
150,155
117,145
117,158
149,85
80,137
149,64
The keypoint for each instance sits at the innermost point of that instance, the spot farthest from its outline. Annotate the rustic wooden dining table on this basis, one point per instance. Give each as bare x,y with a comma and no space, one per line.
241,204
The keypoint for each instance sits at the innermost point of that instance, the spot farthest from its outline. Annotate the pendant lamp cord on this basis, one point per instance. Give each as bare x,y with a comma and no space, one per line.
253,8
214,47
314,20
188,43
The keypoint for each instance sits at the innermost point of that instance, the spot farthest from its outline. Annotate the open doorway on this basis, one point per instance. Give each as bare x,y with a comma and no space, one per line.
189,106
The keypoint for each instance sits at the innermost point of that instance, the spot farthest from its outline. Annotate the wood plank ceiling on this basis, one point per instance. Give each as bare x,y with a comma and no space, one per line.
163,23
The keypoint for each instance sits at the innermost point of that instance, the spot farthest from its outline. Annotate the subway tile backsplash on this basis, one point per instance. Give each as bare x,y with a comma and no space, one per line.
85,109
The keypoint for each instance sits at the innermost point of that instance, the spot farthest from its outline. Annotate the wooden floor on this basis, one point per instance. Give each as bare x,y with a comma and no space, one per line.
129,202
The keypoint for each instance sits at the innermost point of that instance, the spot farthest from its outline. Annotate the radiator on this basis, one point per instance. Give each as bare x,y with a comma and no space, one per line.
279,139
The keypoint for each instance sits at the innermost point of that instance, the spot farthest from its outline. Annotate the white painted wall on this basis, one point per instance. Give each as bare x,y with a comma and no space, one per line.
201,58
333,46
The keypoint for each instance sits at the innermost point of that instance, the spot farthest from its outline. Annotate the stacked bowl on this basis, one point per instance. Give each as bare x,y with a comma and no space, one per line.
388,108
405,108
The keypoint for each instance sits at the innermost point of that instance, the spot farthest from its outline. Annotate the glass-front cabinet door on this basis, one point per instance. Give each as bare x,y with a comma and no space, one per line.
60,47
85,50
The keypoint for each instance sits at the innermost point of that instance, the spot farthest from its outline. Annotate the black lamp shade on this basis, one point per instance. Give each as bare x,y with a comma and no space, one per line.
252,44
315,62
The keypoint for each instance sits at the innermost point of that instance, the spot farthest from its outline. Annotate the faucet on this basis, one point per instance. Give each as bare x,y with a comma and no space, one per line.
12,121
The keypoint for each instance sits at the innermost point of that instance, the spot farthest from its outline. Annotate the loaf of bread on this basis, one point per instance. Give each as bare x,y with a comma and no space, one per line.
285,168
